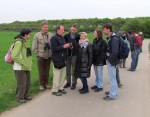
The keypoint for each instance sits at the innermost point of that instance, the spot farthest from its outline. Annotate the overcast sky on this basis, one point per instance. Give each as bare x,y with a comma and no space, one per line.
33,10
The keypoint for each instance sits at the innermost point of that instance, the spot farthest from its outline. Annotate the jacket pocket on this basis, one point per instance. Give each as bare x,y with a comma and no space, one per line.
58,61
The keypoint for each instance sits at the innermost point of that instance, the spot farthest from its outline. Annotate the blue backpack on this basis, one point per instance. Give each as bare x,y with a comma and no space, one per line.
123,49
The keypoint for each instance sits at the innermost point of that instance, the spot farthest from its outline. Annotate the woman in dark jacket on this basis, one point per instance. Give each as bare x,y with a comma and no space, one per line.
99,59
84,61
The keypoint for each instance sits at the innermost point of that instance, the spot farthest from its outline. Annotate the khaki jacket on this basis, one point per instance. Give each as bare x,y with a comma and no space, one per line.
38,45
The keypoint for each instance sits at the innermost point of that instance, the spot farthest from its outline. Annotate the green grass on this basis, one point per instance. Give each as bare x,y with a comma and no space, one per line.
7,78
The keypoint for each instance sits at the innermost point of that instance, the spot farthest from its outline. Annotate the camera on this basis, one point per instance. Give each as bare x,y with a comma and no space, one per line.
29,53
70,45
47,46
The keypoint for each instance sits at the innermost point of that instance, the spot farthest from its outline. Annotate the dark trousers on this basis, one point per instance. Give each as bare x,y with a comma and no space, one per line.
84,82
23,83
70,68
123,62
118,76
43,69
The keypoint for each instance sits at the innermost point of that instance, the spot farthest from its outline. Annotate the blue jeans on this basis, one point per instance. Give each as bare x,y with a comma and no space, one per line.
135,57
141,49
99,76
113,93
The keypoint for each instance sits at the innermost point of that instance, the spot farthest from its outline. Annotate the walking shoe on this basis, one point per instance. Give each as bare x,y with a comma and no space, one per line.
98,89
107,98
81,89
131,69
47,86
56,93
94,87
21,100
73,86
84,91
107,93
120,85
28,98
67,85
41,88
62,91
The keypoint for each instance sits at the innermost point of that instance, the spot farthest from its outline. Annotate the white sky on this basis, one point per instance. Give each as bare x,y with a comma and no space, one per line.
33,10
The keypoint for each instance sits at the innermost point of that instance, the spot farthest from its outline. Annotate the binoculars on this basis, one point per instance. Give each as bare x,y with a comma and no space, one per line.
47,46
29,53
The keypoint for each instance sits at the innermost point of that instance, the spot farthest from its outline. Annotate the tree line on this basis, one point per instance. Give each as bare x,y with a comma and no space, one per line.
136,24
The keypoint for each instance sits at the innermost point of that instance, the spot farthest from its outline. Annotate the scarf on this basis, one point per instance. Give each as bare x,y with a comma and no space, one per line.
84,43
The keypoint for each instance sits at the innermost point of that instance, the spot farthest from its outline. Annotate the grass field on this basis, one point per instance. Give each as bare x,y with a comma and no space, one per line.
7,79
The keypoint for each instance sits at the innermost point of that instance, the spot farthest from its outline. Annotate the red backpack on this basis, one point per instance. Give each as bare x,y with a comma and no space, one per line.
138,40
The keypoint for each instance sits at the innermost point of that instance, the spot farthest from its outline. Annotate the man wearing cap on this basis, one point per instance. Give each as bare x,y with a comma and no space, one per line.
42,49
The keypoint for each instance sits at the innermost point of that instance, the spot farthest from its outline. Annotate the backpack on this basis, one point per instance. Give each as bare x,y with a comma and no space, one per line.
8,58
123,49
138,40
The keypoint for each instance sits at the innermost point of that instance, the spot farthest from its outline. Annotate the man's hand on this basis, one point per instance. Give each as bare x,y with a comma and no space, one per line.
66,46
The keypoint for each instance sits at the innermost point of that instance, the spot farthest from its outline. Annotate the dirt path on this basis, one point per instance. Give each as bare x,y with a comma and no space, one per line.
133,100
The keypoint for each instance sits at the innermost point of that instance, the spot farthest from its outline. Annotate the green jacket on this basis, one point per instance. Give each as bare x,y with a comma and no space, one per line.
19,55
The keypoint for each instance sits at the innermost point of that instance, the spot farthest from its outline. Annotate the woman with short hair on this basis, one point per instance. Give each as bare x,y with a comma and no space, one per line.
21,55
84,61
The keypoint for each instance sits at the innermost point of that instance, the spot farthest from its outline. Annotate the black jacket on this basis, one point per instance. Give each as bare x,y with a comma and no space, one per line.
72,52
113,50
59,54
99,52
84,61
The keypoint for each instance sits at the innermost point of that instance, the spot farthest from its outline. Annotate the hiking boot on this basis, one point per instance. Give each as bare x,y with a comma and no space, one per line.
131,70
67,85
56,93
107,93
98,89
94,87
62,91
120,85
47,86
84,91
21,101
107,98
41,88
81,89
73,86
28,98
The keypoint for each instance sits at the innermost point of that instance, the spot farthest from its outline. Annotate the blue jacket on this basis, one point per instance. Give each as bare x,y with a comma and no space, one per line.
59,54
113,50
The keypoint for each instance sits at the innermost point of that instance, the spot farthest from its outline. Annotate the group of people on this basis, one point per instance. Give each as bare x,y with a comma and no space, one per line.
72,56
